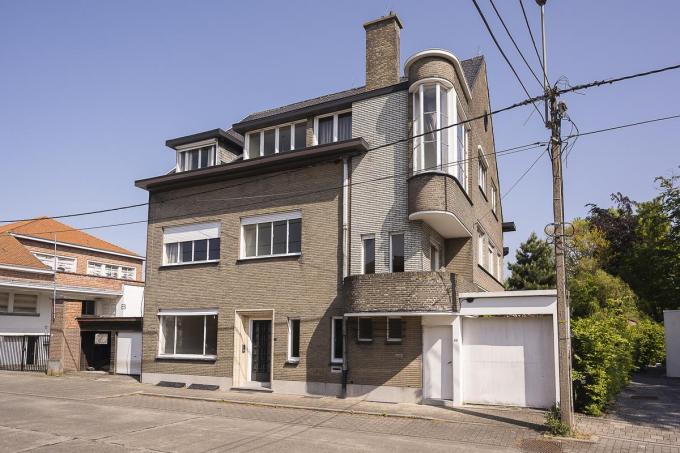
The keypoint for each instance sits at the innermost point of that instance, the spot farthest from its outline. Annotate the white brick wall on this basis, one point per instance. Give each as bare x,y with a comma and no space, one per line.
381,207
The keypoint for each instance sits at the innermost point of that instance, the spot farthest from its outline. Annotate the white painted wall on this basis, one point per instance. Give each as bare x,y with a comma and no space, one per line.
509,361
131,304
35,325
671,322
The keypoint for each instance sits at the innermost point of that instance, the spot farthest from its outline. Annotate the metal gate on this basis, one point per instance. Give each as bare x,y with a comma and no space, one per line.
24,352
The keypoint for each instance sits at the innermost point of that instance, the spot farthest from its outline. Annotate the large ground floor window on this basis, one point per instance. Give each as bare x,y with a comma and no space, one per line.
188,335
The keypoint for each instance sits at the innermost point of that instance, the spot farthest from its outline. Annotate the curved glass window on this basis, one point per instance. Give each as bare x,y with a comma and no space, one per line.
434,105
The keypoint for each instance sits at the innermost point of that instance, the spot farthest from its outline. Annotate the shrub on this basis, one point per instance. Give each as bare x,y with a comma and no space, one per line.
602,361
648,343
554,422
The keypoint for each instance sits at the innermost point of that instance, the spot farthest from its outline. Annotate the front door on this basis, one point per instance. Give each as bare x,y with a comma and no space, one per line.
260,337
437,363
129,353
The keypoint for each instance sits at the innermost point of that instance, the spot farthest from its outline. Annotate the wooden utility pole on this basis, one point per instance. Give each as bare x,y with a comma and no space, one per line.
554,112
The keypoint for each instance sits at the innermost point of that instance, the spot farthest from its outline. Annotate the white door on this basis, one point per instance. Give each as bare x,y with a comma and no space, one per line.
129,353
437,363
508,361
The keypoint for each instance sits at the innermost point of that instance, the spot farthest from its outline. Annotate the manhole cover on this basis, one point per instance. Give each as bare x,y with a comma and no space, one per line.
539,446
644,397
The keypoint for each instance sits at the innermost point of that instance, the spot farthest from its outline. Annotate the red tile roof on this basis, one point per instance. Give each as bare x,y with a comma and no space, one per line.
13,253
46,228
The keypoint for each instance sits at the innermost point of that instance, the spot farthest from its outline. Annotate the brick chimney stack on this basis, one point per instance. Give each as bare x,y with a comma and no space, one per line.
382,51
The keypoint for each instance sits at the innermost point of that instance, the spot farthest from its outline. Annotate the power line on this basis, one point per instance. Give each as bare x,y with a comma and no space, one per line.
507,60
507,30
598,83
622,126
531,35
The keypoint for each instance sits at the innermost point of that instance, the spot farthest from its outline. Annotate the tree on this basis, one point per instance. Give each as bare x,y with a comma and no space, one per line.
534,266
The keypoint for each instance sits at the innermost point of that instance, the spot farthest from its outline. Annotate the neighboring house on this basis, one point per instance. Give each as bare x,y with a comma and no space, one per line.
94,323
318,248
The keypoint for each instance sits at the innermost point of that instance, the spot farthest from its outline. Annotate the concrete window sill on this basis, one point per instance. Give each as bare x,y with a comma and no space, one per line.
19,314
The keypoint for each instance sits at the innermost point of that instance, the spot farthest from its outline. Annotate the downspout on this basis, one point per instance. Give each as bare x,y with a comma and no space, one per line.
345,264
54,280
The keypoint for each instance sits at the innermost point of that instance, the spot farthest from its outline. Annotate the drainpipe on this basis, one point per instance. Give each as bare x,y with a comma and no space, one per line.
345,263
344,357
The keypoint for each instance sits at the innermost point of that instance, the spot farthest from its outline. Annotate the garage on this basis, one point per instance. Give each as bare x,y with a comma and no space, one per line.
508,360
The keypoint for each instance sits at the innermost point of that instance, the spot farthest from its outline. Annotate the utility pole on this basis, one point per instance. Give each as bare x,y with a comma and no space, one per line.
554,123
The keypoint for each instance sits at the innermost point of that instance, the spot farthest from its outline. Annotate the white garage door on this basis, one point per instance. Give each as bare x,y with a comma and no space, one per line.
129,353
509,361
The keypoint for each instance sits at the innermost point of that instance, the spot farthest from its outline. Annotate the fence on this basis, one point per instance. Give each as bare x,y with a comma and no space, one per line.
24,352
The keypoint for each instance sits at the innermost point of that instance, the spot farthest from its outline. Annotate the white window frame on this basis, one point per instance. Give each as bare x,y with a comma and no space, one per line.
494,197
119,272
419,120
437,256
269,218
481,246
491,259
394,340
336,360
212,158
197,226
364,237
359,337
291,357
260,132
54,265
175,314
462,161
482,170
335,125
397,233
499,267
10,305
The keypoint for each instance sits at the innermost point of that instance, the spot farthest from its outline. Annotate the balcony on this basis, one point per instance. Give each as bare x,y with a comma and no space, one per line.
401,292
438,199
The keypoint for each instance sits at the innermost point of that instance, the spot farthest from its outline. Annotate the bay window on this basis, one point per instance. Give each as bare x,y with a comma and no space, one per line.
276,140
271,235
196,158
186,334
434,148
195,243
331,128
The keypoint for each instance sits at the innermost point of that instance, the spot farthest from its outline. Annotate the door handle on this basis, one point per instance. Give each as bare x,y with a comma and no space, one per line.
243,349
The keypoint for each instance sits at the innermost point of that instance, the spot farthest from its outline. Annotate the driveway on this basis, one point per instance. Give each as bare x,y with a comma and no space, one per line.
113,414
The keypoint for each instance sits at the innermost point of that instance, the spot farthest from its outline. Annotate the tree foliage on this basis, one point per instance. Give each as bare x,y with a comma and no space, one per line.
534,266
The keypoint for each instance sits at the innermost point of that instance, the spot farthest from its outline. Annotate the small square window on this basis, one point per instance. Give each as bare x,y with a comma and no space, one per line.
394,329
87,308
365,329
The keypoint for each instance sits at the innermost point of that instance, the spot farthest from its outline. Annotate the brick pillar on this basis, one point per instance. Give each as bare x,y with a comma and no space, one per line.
65,338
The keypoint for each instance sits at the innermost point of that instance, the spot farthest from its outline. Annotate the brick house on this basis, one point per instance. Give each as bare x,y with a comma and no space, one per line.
316,248
95,321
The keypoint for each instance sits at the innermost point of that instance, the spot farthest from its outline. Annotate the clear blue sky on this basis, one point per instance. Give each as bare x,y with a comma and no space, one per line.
89,91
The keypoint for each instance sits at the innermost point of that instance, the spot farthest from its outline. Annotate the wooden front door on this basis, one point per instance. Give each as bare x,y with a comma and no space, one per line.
260,362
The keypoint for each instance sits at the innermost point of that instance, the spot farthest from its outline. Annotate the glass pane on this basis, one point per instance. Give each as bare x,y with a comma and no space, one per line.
295,338
201,250
168,334
25,303
397,251
280,233
416,112
254,145
185,251
430,123
434,258
211,335
182,161
295,236
325,132
189,335
394,329
249,237
214,249
205,154
430,156
284,139
269,142
171,256
337,339
369,256
430,99
365,328
443,101
300,135
194,159
4,302
264,239
345,126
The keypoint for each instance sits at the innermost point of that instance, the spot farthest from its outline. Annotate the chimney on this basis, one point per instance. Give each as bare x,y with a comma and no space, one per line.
382,51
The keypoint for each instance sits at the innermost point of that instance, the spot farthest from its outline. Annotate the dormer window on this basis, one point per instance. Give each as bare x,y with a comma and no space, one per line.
276,140
195,158
334,127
